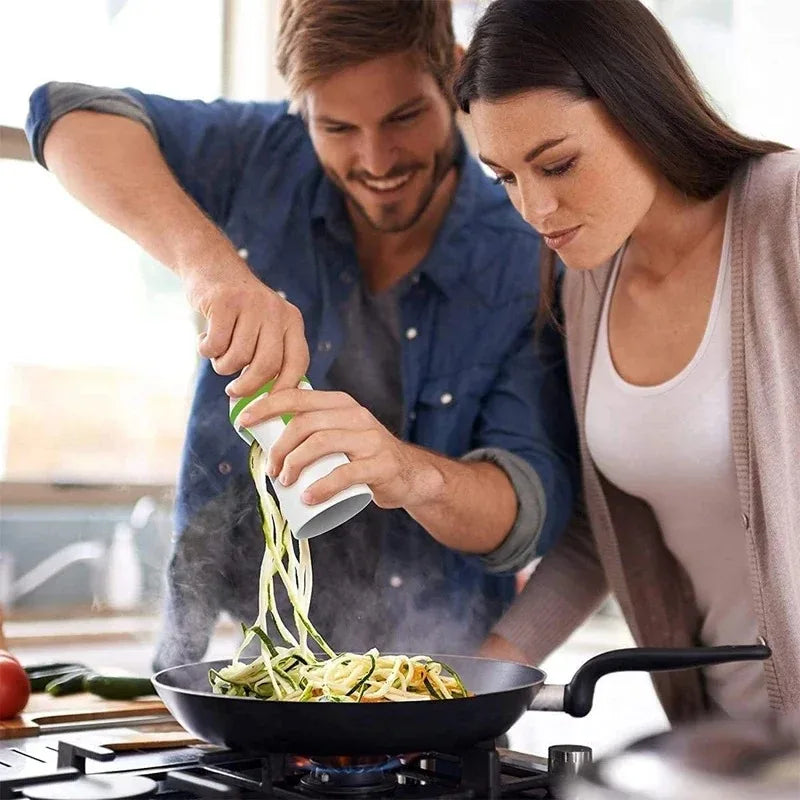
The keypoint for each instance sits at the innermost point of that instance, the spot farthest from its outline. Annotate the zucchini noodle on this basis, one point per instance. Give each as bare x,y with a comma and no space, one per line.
292,671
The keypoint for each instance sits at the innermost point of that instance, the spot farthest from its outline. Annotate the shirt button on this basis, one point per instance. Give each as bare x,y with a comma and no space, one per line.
446,399
412,415
412,333
745,521
324,347
395,581
345,276
224,467
415,278
281,293
243,252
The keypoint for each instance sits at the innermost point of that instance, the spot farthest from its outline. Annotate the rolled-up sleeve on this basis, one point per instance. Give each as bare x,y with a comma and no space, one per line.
528,414
519,547
205,144
50,102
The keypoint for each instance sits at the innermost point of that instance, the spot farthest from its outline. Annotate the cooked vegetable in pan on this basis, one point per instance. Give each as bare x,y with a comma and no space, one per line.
292,671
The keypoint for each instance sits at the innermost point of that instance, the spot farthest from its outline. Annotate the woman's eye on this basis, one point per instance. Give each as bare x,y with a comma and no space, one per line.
505,180
559,169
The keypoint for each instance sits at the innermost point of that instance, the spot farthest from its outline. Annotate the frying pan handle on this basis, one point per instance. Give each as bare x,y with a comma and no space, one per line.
579,692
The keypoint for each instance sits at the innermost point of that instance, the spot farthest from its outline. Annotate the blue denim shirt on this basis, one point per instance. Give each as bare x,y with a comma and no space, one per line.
473,376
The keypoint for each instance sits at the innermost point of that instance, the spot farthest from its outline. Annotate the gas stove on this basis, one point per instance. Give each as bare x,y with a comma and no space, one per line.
75,767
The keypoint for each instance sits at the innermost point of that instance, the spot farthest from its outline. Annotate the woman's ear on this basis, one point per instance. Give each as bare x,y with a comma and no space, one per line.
458,55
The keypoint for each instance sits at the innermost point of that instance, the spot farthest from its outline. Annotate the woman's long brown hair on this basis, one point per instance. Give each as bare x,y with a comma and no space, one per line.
615,51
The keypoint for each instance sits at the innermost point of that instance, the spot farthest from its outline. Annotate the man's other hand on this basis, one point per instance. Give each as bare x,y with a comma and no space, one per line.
333,422
499,648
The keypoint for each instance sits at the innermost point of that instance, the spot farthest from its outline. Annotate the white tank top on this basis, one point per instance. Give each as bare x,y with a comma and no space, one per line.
670,445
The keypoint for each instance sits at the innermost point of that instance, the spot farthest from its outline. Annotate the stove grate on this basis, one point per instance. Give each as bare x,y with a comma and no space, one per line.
478,773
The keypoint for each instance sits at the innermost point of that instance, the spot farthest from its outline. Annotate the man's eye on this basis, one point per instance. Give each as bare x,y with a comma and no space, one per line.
337,128
406,117
505,180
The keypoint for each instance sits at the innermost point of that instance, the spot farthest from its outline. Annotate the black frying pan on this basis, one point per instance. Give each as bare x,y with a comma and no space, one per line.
503,692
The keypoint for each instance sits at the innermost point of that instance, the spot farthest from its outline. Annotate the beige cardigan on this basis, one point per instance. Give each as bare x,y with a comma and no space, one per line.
621,547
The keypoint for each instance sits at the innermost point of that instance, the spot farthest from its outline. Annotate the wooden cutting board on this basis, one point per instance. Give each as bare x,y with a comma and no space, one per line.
43,709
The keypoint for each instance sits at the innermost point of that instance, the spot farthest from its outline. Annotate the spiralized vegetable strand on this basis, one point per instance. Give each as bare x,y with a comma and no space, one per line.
292,671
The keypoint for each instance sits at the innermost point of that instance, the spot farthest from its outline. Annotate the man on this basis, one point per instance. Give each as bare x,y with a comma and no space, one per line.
360,230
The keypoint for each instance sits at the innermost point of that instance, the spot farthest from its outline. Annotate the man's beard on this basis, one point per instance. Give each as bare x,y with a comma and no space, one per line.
388,222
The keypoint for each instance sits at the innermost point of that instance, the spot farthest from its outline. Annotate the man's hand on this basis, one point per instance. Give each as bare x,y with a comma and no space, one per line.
466,506
333,422
249,327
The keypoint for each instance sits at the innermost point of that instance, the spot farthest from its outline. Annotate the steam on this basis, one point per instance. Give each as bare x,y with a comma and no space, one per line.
197,583
379,581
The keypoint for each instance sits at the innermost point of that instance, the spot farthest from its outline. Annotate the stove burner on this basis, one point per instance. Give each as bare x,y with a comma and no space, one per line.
481,772
94,787
360,776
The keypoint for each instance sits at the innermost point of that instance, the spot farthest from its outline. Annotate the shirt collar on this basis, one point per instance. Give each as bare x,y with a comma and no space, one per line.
443,264
329,207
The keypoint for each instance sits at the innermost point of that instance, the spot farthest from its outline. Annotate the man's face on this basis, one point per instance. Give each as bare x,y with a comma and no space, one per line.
385,135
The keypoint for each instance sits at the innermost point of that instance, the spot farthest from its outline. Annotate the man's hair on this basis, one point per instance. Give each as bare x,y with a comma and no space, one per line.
319,37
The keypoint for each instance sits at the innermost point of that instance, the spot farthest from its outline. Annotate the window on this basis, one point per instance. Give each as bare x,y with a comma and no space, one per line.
172,48
98,348
745,54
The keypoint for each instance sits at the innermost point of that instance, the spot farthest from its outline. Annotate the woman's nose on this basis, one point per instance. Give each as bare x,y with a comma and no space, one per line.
536,205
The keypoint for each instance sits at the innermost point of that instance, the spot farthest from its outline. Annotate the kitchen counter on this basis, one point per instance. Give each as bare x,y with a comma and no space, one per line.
625,706
43,710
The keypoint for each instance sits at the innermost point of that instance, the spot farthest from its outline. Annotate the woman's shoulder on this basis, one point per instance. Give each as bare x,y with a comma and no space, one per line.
766,195
772,181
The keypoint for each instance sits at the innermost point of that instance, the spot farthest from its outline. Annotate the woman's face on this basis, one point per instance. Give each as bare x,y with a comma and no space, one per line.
569,169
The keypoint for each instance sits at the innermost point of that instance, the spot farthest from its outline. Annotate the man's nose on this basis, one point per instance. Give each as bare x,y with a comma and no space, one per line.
377,154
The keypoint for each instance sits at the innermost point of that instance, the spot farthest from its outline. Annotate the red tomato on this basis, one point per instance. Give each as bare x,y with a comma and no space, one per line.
15,688
6,654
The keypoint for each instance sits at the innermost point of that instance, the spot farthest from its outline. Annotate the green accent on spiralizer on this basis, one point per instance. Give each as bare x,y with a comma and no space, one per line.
242,402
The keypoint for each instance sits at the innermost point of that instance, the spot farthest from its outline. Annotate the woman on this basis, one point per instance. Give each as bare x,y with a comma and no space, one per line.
680,302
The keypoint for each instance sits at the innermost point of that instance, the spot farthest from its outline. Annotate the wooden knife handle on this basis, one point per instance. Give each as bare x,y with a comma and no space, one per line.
153,741
142,708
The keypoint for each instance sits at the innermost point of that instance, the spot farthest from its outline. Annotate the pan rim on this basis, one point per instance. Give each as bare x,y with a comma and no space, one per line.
542,679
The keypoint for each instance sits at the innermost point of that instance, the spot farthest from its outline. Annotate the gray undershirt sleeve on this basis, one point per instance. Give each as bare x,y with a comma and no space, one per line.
66,97
519,547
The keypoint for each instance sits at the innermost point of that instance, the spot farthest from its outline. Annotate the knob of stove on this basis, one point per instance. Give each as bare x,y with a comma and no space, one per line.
566,760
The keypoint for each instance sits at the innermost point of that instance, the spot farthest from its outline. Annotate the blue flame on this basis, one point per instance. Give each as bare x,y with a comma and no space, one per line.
389,765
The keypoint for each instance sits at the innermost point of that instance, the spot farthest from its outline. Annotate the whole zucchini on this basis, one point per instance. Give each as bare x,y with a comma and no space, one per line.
71,683
117,687
43,674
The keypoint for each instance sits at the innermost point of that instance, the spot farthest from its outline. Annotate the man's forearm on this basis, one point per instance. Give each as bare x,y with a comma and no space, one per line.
466,506
114,167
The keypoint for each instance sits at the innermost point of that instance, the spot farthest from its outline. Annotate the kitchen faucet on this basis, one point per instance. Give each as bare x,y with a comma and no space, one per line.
94,552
